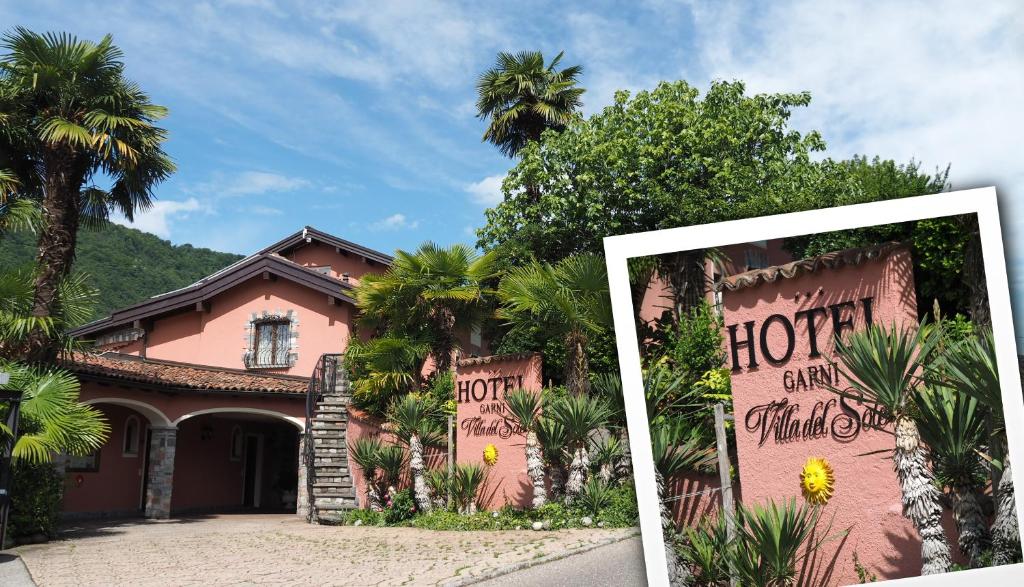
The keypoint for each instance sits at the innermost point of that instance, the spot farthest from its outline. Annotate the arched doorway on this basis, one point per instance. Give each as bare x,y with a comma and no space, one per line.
236,459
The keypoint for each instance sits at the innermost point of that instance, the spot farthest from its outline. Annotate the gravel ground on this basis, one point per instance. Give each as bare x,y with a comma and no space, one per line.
283,550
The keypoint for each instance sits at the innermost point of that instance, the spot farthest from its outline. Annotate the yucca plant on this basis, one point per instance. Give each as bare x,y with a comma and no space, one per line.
579,415
952,425
772,539
596,495
607,451
971,367
524,408
391,460
365,452
677,447
705,551
884,369
609,386
416,423
438,483
466,483
52,421
551,435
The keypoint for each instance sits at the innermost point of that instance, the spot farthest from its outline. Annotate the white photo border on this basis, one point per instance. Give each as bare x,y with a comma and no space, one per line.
618,249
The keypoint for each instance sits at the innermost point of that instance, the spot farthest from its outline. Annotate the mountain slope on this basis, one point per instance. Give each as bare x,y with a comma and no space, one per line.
125,264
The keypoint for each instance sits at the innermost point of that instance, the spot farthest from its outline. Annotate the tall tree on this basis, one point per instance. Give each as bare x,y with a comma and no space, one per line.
430,294
90,134
570,299
521,98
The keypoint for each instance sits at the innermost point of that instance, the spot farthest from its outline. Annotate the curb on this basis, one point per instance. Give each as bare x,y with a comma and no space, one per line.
512,568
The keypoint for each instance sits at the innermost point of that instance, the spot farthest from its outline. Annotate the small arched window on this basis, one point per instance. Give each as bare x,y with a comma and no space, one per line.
130,446
236,443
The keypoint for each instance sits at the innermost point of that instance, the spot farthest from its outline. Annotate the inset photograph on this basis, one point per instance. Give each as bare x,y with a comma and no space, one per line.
829,407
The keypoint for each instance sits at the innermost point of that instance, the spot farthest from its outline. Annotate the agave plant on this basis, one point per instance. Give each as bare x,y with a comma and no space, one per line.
772,540
579,415
415,420
883,368
365,452
524,407
971,368
952,425
466,483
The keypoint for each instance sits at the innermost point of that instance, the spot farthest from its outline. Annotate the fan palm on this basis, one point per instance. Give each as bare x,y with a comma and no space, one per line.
52,421
569,299
433,292
416,423
972,369
524,408
952,425
521,97
579,415
70,110
883,368
365,452
384,368
73,306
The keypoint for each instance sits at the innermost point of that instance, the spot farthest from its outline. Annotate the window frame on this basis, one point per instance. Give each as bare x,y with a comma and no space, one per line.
280,346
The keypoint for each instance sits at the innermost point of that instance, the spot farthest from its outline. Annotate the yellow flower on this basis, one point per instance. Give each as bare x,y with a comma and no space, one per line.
817,481
490,454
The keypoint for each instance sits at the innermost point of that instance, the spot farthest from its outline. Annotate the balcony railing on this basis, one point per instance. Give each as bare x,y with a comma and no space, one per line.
269,359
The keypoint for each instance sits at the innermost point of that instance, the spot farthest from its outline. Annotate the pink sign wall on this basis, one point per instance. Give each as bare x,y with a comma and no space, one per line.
480,388
779,336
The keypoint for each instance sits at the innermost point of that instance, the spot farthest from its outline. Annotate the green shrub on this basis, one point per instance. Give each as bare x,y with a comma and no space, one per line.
399,507
694,346
365,517
37,490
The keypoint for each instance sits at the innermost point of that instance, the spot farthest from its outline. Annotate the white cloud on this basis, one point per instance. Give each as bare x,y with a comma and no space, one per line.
487,191
251,183
395,222
158,218
263,210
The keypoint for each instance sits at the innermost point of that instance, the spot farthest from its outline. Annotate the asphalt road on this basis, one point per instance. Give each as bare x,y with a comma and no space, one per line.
621,563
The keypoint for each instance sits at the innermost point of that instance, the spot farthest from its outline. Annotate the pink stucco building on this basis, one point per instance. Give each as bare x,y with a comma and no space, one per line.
205,387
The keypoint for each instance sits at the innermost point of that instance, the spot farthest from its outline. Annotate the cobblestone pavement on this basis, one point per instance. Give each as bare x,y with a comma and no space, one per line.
282,550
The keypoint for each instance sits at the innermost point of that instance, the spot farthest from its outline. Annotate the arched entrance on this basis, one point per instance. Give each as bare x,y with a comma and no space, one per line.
235,459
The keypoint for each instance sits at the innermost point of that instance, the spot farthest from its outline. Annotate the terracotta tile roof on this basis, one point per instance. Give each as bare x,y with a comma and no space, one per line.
182,376
831,260
471,362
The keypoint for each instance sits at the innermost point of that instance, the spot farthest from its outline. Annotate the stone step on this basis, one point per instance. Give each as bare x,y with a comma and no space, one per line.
334,460
347,504
330,416
333,481
327,433
330,472
320,444
341,493
328,426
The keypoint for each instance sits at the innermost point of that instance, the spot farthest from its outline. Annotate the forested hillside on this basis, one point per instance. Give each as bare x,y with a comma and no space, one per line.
125,264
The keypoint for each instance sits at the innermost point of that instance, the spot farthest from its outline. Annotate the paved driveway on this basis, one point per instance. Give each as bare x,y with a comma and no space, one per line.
283,550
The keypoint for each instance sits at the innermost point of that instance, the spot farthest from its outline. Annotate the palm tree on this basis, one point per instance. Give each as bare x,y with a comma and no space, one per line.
883,368
70,111
431,292
365,452
384,368
73,306
569,299
579,415
524,407
952,425
415,424
971,367
521,98
52,421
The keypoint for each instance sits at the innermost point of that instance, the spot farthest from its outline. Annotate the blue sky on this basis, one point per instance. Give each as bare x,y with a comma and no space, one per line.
358,117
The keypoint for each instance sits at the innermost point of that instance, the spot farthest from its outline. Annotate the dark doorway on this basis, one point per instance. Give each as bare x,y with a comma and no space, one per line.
253,470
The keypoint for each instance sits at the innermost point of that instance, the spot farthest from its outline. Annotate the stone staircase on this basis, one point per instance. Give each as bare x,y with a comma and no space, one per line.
328,477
